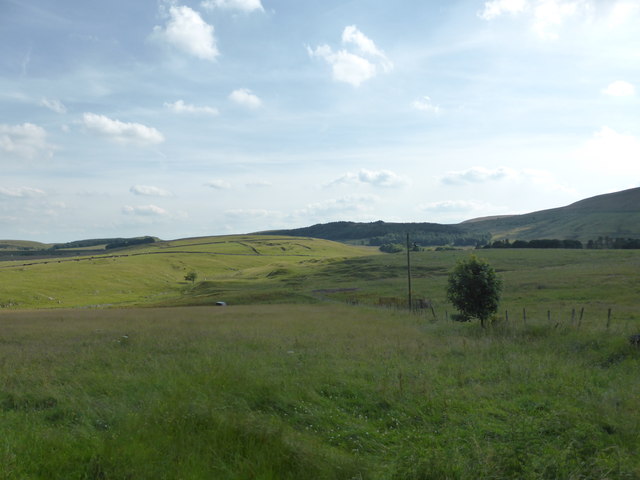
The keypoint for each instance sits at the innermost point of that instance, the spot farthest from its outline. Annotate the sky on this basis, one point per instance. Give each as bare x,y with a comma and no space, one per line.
181,118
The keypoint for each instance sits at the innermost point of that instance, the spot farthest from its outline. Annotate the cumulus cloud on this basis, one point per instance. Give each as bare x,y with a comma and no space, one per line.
350,67
121,132
348,204
145,211
26,141
377,178
180,107
218,185
495,8
242,5
246,98
425,104
149,191
476,175
187,31
620,88
54,105
21,192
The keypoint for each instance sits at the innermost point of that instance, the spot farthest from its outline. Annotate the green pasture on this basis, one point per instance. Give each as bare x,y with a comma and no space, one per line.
326,391
155,273
305,376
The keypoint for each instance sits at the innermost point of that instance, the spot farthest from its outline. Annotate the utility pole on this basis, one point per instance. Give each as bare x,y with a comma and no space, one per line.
409,273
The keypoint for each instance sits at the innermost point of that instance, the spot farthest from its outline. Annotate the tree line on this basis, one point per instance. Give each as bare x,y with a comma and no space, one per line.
599,243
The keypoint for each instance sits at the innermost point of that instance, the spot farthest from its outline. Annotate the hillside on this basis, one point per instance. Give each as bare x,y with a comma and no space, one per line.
614,215
378,233
155,273
609,215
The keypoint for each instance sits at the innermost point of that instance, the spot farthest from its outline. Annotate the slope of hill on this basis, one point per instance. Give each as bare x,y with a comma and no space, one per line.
155,273
609,215
614,215
378,233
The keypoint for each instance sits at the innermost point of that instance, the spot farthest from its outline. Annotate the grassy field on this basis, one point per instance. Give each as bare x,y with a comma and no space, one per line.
311,392
304,377
155,273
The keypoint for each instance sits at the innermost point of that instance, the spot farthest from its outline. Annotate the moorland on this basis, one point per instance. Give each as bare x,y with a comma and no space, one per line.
114,366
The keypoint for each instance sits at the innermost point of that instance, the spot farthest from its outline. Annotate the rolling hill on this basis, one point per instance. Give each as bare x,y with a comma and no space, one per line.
614,215
610,215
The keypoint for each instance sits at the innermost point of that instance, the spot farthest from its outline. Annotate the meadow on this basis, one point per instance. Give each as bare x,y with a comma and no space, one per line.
310,379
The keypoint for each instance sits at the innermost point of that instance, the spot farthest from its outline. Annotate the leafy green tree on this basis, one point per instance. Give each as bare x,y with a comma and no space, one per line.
474,289
191,277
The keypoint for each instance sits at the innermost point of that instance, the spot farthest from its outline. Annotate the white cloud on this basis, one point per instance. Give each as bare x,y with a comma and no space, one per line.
246,98
145,211
180,107
187,31
351,35
27,141
620,88
495,8
21,192
149,191
611,153
243,5
349,204
547,16
377,178
551,14
479,175
54,105
218,185
476,175
425,104
121,132
349,67
346,67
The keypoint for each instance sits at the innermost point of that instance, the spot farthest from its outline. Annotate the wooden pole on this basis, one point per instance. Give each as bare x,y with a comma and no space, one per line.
409,274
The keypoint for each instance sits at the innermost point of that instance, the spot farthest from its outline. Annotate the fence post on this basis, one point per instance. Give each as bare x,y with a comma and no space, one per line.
524,315
608,319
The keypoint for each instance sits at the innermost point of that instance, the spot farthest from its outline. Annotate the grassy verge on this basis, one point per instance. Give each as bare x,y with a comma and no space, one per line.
317,392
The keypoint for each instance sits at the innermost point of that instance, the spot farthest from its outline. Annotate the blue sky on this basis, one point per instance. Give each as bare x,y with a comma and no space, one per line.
185,118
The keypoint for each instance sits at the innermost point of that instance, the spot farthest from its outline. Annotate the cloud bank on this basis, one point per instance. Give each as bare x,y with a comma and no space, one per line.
27,141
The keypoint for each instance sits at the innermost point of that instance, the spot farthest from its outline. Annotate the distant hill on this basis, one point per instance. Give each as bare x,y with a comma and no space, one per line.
379,233
12,249
614,215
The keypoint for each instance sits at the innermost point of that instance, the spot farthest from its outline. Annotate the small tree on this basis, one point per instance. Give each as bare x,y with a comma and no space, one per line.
474,289
191,277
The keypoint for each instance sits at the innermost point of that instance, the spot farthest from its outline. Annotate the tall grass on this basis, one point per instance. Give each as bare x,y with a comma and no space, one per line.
312,391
